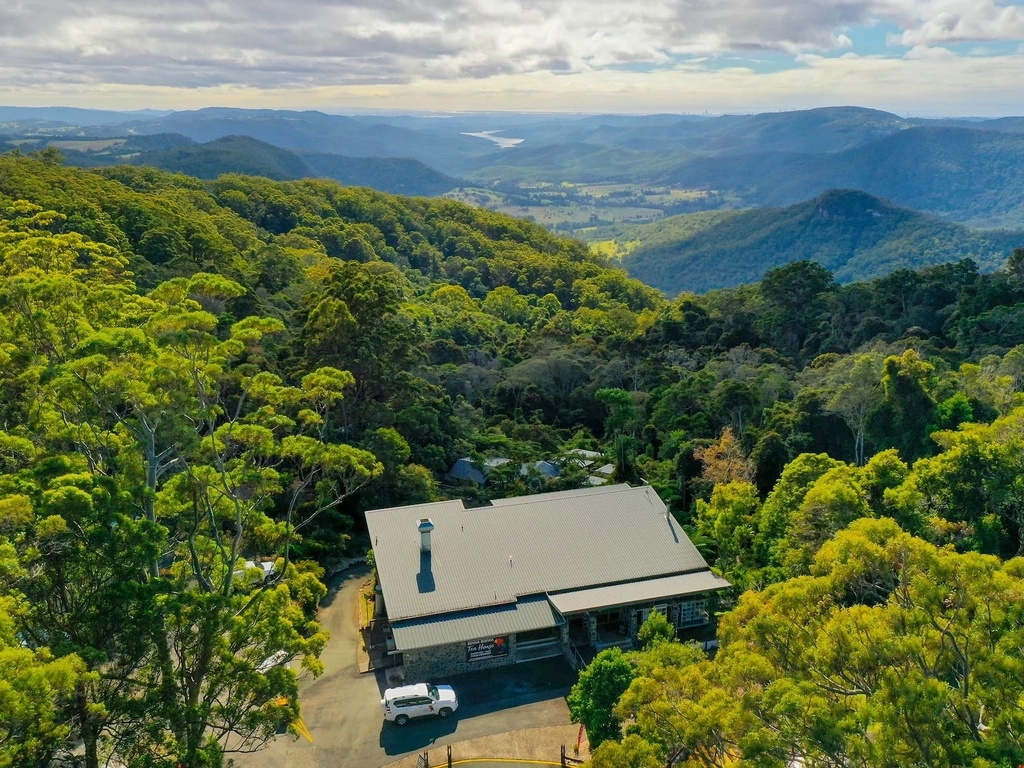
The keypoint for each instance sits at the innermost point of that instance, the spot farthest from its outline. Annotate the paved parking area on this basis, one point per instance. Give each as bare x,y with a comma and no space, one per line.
341,708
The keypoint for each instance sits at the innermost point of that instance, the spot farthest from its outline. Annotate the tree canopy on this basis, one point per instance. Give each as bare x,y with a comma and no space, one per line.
204,384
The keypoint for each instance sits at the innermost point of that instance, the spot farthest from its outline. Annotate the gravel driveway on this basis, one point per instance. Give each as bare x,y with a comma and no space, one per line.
341,708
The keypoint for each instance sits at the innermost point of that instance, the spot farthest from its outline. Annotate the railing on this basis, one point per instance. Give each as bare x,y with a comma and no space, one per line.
423,759
567,761
576,657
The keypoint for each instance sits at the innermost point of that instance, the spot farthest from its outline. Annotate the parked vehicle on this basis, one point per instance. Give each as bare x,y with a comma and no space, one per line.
420,700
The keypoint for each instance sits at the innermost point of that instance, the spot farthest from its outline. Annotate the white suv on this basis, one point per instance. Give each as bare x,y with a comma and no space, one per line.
400,704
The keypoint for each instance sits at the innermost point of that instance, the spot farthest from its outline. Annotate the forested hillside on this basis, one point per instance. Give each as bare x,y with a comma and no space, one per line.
242,154
397,175
202,377
232,154
964,174
855,235
319,132
962,170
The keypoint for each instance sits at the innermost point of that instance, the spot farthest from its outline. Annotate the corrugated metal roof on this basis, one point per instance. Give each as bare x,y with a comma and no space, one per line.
527,546
636,592
546,468
555,496
529,613
584,453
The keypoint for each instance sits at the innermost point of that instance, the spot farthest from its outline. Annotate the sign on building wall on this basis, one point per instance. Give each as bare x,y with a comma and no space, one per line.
489,648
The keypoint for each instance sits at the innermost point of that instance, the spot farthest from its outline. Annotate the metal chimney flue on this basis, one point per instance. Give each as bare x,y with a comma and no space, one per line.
425,527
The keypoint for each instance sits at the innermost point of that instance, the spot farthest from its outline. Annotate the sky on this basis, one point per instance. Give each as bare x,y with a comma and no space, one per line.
916,57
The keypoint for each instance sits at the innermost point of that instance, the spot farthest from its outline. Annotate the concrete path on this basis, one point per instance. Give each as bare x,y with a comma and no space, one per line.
341,708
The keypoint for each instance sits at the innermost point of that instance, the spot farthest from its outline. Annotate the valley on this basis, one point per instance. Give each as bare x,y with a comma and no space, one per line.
574,209
231,339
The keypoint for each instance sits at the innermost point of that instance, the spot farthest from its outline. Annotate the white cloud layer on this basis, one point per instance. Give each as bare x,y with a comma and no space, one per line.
460,47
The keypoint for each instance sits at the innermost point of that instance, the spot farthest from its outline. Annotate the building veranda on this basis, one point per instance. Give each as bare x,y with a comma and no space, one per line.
565,573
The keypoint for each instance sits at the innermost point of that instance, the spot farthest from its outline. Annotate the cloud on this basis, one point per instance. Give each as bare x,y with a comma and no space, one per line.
379,46
259,43
955,21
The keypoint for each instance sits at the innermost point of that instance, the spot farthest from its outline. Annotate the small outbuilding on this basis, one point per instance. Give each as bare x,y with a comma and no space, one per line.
565,573
464,469
546,469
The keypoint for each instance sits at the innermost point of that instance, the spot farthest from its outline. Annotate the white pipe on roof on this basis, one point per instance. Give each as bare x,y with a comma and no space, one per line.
425,527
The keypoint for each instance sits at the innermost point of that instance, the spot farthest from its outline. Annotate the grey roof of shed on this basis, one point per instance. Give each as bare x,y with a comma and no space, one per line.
546,468
463,469
554,542
529,613
582,600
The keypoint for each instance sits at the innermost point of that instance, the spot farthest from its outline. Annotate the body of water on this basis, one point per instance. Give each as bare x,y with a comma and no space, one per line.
501,141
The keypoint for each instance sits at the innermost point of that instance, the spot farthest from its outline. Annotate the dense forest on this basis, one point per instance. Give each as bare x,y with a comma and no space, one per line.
853,234
206,383
242,154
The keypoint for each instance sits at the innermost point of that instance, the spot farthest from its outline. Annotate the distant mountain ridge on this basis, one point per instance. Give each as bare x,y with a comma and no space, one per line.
855,235
960,169
75,116
245,155
231,154
968,175
395,175
319,132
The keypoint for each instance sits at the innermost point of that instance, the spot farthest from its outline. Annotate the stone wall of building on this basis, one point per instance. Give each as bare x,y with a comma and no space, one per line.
431,664
566,644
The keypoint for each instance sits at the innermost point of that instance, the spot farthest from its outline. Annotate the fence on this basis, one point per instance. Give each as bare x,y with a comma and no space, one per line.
423,760
567,761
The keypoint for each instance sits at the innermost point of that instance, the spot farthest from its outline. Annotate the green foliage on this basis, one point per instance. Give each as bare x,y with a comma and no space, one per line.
728,524
632,752
855,235
654,631
231,154
861,661
34,689
193,376
593,697
395,175
157,429
907,407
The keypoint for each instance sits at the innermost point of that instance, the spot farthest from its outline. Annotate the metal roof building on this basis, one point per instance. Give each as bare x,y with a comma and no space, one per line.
557,573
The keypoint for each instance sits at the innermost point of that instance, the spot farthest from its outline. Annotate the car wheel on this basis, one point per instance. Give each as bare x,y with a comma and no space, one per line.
443,712
401,720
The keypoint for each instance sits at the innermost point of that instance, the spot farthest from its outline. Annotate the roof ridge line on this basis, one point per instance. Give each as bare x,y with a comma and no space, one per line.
631,581
594,490
457,611
443,502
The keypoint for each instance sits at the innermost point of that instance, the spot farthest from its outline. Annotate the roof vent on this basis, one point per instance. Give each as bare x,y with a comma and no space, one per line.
425,527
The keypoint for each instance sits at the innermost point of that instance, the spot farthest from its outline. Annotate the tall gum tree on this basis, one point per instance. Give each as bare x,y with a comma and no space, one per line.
222,458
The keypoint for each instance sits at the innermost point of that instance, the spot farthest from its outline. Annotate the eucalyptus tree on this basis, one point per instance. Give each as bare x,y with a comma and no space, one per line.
171,414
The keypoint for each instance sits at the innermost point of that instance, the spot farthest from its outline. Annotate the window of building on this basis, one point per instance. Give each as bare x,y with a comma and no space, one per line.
536,634
692,613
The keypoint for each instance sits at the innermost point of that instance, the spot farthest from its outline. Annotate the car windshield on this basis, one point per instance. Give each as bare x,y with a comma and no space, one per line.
432,690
